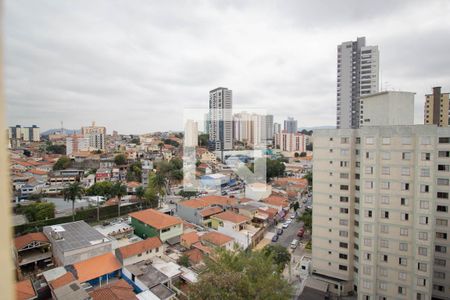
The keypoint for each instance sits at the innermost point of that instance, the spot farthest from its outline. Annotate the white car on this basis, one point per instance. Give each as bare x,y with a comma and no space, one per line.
292,216
294,244
286,225
289,221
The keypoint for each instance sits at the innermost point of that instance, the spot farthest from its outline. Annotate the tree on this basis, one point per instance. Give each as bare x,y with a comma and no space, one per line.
134,172
296,154
158,183
71,193
188,194
39,211
303,154
279,254
140,192
120,159
184,261
103,188
240,275
118,190
295,206
203,140
63,163
306,217
171,142
35,197
136,141
150,198
309,177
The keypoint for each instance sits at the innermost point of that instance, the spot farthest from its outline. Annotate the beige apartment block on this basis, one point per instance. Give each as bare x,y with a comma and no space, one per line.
380,211
437,108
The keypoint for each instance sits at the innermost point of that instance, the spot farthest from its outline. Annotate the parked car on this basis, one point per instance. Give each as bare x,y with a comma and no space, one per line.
293,216
289,221
279,231
275,238
294,244
285,225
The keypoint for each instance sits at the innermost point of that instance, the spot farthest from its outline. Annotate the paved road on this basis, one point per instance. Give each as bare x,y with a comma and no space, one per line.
289,234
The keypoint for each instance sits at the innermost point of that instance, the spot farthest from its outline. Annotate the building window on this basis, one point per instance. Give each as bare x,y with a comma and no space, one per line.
425,156
343,245
384,244
423,236
422,251
424,188
343,210
404,216
344,187
422,267
386,155
441,222
425,172
385,185
406,155
405,186
386,171
402,275
440,249
441,235
384,214
443,181
386,141
383,272
424,204
406,140
442,208
439,262
404,231
401,290
384,228
405,171
343,268
421,282
442,195
383,285
368,242
444,154
384,258
369,140
403,246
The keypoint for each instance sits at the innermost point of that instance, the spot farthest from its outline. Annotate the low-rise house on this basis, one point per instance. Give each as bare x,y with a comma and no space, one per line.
142,250
71,291
32,249
103,175
97,270
189,238
118,290
238,227
25,290
76,241
257,191
200,210
132,186
145,277
152,223
277,202
217,239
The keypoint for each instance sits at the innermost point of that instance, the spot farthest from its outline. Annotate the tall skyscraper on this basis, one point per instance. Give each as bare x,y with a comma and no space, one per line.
290,125
437,108
220,127
268,129
357,75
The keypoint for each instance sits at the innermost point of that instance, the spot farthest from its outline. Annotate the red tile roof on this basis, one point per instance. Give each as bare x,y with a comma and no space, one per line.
139,247
119,290
276,201
96,266
216,238
210,211
62,280
187,239
37,172
208,201
203,248
155,218
231,217
271,212
195,256
133,184
25,290
24,240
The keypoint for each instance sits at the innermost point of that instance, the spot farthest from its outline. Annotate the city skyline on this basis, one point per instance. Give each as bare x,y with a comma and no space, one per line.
140,63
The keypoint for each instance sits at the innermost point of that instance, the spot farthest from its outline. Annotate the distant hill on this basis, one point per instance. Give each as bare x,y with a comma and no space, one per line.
66,131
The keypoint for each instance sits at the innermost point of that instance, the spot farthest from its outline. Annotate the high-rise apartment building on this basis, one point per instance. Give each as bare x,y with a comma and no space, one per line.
291,142
253,129
220,124
437,108
18,135
96,136
381,211
267,135
357,75
290,125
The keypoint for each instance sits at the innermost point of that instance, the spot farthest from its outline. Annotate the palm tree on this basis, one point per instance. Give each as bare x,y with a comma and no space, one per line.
71,193
140,191
158,184
119,190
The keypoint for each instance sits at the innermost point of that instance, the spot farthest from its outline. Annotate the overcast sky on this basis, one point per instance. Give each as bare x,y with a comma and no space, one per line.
133,66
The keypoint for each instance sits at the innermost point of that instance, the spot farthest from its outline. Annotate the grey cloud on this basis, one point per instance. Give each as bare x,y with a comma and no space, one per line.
134,66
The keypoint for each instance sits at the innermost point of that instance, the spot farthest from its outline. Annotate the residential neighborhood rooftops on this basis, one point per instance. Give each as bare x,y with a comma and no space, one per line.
62,280
216,238
162,291
25,290
232,217
72,291
96,266
74,235
28,238
195,256
210,211
155,218
119,290
139,247
147,274
276,201
208,201
189,238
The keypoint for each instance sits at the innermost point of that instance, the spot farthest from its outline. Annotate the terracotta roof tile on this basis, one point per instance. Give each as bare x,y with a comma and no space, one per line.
232,217
155,218
62,280
140,247
195,256
119,290
276,201
208,201
133,184
189,238
216,238
24,240
96,266
25,290
210,211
